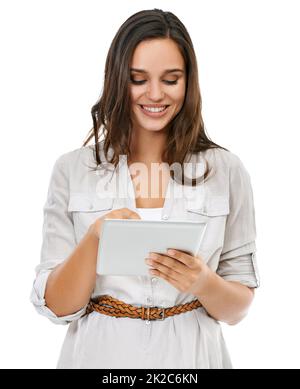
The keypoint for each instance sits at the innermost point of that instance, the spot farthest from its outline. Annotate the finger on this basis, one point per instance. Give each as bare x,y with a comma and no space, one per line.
166,277
172,263
182,257
126,213
134,215
165,270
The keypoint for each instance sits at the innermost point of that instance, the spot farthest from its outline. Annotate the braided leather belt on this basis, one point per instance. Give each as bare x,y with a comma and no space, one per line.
113,307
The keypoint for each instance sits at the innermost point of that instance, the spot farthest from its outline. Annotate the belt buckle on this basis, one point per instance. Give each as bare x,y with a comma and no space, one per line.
162,313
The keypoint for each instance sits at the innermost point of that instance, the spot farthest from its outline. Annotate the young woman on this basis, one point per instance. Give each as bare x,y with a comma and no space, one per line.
150,113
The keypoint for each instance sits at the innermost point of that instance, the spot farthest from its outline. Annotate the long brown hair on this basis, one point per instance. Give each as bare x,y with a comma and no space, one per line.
111,113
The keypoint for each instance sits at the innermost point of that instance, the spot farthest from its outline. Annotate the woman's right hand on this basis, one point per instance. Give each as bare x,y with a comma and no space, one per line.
121,213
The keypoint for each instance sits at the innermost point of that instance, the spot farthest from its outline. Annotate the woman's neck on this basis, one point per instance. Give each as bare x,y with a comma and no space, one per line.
147,147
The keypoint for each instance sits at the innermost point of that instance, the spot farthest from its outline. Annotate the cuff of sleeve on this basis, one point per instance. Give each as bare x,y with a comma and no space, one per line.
242,269
38,300
246,248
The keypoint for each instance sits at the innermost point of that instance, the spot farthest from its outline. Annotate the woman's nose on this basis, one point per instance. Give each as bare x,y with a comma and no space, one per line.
155,91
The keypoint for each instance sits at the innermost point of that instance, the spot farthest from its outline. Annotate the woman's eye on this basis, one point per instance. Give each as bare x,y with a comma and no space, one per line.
171,82
142,82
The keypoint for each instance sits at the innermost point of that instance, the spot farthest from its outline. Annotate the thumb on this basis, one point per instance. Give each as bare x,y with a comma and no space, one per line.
134,215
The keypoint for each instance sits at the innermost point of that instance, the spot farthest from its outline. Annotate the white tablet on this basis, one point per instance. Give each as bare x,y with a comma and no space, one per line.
125,243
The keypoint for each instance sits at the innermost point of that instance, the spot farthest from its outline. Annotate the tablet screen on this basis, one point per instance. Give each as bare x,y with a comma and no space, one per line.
125,243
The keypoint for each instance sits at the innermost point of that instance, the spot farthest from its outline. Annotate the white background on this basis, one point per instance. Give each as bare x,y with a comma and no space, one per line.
52,62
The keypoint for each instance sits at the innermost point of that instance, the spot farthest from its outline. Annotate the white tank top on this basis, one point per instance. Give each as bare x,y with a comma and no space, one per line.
150,213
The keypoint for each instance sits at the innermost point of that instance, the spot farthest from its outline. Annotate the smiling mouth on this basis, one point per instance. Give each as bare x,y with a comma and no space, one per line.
156,114
153,106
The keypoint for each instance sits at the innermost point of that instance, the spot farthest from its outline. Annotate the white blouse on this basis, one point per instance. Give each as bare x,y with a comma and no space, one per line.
188,340
150,213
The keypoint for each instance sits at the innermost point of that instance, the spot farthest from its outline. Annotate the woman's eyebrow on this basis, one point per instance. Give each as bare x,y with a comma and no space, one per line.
166,71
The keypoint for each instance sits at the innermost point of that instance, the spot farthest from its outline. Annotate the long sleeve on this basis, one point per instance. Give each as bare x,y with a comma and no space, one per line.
238,257
58,241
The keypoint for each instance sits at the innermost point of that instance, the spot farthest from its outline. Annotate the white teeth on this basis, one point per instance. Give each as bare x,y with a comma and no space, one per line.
154,109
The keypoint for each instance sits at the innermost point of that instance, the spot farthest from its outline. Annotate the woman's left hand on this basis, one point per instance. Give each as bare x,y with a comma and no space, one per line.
187,273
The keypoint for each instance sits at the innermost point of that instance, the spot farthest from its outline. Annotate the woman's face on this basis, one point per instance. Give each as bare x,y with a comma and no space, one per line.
152,86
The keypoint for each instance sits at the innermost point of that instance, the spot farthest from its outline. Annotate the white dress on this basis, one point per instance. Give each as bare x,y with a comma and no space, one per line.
188,340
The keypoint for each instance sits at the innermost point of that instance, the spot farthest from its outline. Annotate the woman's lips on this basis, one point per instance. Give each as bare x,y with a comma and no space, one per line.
154,114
